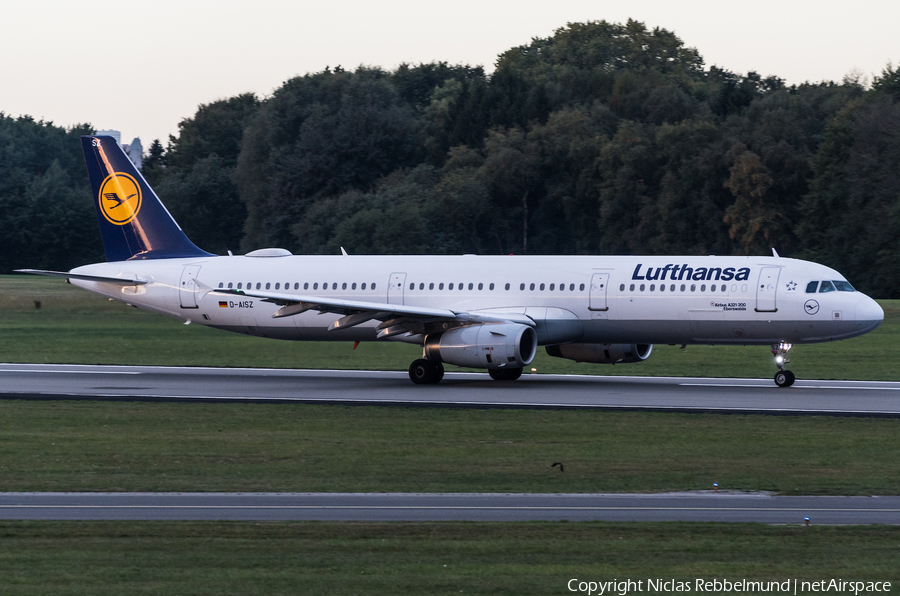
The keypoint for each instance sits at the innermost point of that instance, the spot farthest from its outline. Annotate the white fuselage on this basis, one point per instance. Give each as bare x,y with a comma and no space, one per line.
590,299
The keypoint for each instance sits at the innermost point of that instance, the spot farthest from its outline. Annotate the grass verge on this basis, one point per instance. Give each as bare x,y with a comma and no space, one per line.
139,446
67,558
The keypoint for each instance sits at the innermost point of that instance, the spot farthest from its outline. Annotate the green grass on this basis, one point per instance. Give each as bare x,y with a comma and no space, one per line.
137,446
75,326
98,558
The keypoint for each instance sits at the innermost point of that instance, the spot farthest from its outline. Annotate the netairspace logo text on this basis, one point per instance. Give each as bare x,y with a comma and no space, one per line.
724,586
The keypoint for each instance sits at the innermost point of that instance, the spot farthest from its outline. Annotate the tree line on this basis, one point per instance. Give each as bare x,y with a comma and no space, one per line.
603,138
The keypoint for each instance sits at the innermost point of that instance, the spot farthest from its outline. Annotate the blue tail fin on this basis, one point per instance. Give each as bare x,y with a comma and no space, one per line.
133,221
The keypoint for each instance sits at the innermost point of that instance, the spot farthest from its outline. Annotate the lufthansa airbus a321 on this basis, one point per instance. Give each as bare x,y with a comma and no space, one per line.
488,312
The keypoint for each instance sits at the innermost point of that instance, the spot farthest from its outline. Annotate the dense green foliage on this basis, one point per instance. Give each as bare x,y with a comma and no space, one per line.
46,214
601,139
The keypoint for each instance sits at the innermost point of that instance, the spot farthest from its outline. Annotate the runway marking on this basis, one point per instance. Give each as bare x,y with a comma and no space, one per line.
72,372
795,386
454,508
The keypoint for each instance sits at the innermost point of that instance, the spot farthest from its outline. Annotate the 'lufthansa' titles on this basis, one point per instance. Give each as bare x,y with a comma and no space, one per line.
684,272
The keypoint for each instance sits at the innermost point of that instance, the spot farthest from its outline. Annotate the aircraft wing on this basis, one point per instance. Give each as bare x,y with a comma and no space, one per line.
98,278
395,318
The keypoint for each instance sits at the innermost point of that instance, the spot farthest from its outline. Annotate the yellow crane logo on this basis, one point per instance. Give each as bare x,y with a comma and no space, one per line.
120,198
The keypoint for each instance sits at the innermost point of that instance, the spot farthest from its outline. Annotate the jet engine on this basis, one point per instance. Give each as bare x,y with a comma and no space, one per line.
484,346
602,353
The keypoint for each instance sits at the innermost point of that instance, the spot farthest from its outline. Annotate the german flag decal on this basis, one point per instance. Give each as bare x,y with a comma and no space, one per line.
223,304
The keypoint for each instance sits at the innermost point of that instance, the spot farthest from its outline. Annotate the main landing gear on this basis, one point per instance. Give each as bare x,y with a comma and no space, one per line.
783,378
426,372
505,374
429,372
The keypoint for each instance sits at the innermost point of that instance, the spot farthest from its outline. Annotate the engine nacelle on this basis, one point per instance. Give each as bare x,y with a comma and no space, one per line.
484,346
602,353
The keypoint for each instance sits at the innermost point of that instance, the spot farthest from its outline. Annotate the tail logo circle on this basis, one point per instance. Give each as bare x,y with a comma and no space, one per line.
120,198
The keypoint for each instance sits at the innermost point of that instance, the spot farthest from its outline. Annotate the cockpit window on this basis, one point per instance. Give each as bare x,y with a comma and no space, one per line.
843,286
811,287
827,286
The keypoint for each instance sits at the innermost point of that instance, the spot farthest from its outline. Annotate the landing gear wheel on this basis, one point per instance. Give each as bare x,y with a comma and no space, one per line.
505,374
426,372
784,378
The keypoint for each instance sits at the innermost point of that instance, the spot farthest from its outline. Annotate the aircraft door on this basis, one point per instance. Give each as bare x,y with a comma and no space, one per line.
599,283
395,288
187,288
766,288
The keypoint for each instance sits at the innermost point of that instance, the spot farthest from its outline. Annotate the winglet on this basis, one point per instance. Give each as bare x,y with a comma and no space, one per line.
775,253
344,252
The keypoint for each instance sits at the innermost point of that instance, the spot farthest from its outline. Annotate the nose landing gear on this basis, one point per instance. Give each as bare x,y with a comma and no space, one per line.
783,378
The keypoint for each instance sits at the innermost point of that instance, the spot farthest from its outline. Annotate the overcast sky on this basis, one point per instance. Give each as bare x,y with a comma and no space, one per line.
141,67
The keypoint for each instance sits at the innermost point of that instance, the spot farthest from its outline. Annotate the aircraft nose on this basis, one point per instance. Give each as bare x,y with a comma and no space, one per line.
869,313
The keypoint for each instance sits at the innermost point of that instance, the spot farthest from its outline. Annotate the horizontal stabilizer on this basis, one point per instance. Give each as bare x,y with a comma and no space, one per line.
98,278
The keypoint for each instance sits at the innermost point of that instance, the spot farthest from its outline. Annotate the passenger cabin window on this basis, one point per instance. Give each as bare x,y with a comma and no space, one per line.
306,285
827,286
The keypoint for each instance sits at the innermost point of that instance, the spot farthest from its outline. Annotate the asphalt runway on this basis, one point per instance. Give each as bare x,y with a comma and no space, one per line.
457,389
382,507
